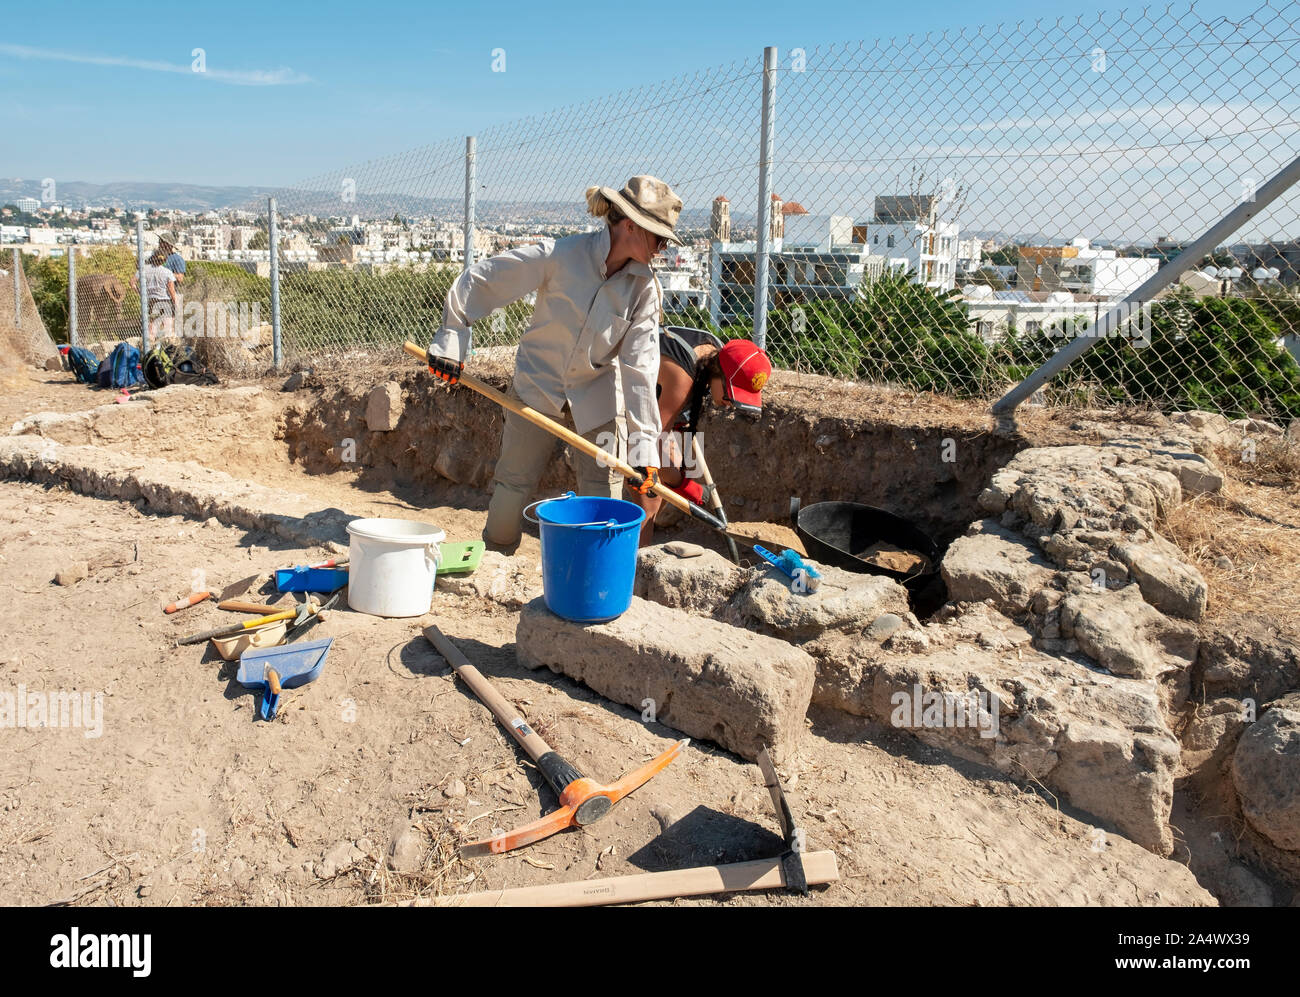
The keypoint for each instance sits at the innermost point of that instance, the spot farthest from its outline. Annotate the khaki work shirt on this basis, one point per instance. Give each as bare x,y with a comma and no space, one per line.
593,341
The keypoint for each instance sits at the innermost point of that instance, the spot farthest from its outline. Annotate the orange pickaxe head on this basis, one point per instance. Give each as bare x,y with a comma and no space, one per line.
582,801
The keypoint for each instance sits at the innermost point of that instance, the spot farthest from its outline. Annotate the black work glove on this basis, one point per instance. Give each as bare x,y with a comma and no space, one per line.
444,368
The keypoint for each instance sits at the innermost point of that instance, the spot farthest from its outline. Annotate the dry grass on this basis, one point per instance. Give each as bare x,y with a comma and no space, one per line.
442,873
1255,523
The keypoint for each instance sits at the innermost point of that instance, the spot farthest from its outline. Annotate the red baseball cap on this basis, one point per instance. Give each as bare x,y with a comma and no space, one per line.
745,369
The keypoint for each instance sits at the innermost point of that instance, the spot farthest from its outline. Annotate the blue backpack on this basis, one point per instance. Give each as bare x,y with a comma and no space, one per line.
83,364
124,362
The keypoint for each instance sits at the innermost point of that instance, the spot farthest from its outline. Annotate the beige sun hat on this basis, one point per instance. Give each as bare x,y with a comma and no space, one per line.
647,200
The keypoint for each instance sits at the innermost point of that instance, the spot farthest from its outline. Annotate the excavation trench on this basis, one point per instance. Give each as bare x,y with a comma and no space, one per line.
818,440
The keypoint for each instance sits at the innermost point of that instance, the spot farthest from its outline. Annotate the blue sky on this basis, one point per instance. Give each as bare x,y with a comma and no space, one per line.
104,92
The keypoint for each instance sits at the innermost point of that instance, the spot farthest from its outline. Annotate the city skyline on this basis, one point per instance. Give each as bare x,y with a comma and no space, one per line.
1092,125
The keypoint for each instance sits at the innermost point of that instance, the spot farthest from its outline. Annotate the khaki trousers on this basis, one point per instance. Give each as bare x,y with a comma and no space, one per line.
526,449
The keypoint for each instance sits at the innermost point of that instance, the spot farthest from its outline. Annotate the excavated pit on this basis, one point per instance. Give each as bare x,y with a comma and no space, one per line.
816,440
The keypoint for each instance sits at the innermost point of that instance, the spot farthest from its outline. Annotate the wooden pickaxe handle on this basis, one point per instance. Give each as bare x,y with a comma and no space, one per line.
574,440
505,712
582,800
761,874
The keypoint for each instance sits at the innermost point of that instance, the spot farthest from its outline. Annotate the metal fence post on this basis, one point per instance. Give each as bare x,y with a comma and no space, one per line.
18,309
72,295
1004,408
471,147
277,356
764,197
144,291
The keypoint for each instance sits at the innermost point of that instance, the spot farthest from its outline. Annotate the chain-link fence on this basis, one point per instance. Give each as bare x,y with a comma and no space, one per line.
942,212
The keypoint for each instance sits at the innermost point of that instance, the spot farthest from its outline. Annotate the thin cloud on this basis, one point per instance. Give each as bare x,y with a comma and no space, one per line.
237,77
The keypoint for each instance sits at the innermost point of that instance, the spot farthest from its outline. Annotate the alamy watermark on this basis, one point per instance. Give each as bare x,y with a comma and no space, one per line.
673,448
37,708
920,708
241,320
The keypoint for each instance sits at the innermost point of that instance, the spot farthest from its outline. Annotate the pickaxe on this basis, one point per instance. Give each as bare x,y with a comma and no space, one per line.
582,800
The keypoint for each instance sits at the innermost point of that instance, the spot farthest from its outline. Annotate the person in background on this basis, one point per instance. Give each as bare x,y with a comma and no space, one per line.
696,369
160,293
173,260
591,349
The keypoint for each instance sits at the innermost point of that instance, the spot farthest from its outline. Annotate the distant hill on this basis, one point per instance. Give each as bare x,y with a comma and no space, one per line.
134,194
195,197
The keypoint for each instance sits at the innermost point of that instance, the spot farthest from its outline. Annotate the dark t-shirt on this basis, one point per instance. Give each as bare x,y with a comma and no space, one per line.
674,348
677,345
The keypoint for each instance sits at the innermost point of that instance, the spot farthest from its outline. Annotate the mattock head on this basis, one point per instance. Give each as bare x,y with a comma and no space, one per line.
583,801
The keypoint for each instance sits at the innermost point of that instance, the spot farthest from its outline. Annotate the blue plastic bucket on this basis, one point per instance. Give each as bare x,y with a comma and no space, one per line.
588,555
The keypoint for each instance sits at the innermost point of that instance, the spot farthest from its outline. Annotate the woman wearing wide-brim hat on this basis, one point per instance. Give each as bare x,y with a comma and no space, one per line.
590,351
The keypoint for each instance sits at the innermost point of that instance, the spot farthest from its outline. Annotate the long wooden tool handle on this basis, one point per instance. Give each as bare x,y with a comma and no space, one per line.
555,429
238,606
764,874
501,707
714,498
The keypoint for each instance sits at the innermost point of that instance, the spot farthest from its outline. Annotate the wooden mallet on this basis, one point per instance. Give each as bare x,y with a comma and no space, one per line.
582,801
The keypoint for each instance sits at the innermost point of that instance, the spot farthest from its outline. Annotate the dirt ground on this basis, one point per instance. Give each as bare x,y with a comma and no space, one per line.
184,798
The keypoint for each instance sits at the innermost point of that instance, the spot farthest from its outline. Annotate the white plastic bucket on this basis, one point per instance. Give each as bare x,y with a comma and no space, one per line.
392,566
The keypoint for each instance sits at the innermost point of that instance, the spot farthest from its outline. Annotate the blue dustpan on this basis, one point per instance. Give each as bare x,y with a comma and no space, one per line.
271,669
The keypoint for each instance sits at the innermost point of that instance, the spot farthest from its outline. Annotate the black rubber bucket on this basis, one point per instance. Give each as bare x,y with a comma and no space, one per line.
834,532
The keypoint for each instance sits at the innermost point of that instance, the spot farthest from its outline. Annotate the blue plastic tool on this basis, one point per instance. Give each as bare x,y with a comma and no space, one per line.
304,579
271,669
804,575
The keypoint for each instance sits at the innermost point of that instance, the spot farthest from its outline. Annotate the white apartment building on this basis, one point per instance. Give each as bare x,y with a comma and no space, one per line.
818,233
1082,268
970,252
929,251
28,204
908,234
239,236
994,313
208,240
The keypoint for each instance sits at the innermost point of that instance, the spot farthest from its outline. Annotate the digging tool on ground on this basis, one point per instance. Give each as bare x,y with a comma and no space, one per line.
296,613
792,859
301,625
590,449
239,606
582,800
794,869
235,589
